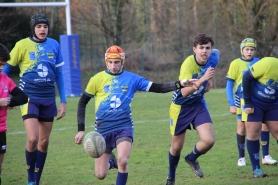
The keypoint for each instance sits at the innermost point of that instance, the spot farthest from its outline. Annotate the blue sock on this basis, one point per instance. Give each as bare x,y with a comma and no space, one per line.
41,157
31,161
121,178
173,164
253,148
241,145
194,155
112,164
265,142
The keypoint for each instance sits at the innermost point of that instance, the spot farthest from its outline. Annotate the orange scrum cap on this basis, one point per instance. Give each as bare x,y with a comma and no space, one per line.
114,52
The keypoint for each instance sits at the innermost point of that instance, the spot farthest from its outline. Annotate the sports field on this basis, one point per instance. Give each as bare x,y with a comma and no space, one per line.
68,164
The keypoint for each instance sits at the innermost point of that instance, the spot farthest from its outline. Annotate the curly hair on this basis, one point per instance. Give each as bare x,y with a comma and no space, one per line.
4,53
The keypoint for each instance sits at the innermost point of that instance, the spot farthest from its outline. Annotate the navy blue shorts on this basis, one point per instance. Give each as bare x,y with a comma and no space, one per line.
181,117
112,137
263,112
42,109
3,142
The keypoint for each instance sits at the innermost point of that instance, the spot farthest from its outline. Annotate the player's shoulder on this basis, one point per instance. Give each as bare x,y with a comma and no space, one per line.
22,42
52,41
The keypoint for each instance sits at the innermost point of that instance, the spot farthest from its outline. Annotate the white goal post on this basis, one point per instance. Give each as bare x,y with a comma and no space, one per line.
35,4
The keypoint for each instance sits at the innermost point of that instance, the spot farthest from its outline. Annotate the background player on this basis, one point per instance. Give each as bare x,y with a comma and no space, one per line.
40,62
260,91
189,107
114,90
236,70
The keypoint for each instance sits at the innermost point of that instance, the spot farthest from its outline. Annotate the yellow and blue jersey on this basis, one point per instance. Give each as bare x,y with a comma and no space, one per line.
113,96
265,88
190,69
37,62
235,73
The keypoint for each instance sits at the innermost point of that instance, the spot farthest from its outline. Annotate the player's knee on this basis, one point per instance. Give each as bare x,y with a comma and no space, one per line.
122,163
32,141
100,176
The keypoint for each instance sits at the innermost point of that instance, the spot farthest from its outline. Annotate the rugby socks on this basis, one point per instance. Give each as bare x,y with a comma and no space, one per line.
173,164
31,161
194,155
241,145
253,148
265,142
121,178
112,164
41,157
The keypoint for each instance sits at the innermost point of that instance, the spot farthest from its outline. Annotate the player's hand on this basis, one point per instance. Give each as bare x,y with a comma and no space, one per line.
61,111
188,82
209,73
79,137
249,110
233,109
5,101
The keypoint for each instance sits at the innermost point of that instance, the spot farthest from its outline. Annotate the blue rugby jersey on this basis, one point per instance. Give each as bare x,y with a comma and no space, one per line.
37,62
113,96
190,69
265,88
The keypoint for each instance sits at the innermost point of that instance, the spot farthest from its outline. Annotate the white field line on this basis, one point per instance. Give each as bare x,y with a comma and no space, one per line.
92,126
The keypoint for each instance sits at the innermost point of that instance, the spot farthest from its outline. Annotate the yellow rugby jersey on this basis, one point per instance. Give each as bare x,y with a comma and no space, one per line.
37,62
190,69
113,96
236,70
265,87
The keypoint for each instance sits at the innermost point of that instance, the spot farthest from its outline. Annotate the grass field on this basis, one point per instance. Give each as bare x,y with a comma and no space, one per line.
68,164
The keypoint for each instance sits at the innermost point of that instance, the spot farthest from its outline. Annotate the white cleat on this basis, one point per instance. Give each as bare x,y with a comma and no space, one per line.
241,161
268,160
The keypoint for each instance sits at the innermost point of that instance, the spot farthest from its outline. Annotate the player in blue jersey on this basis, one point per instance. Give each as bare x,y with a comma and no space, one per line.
40,62
114,90
189,108
260,91
234,94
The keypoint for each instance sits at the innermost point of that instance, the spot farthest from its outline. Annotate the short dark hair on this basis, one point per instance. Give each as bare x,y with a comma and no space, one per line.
203,39
4,53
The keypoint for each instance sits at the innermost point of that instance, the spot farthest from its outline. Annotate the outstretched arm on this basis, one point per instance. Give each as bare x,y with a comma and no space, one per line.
171,86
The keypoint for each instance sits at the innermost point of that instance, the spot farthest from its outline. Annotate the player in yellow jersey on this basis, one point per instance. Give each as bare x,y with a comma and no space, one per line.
236,70
189,108
260,91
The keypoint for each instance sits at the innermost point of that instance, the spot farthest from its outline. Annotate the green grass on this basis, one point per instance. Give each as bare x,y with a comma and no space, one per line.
68,164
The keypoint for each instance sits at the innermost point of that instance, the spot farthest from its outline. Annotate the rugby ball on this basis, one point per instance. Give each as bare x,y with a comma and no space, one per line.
94,144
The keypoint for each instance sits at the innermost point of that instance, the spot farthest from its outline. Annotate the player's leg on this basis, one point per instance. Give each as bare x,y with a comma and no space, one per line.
124,146
240,138
44,134
174,157
102,165
3,143
180,120
266,158
203,124
47,112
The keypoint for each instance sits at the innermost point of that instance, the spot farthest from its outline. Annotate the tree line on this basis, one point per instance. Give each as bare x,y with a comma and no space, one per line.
157,35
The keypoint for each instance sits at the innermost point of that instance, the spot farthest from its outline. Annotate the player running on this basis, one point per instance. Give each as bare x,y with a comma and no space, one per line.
189,108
